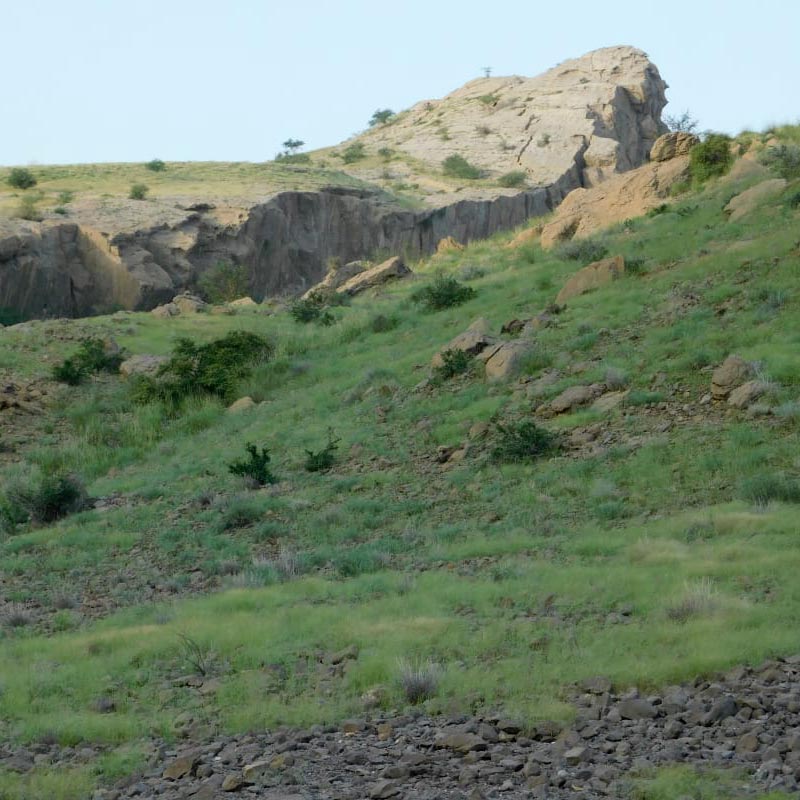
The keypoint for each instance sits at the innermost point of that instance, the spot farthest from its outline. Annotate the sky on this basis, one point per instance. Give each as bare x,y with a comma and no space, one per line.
202,80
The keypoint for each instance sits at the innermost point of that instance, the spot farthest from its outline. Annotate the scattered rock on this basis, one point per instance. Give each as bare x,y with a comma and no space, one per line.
746,394
241,405
609,401
390,270
166,310
733,372
595,275
571,398
180,767
636,708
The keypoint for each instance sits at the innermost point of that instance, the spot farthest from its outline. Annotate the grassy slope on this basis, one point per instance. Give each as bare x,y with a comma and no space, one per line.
506,575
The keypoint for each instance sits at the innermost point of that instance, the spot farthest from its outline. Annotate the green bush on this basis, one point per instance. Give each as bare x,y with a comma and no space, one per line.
457,166
710,158
322,460
293,158
28,208
523,441
224,282
584,250
381,117
93,356
513,180
793,199
382,323
454,362
762,489
138,191
314,308
355,152
21,178
41,499
156,165
211,369
255,467
444,292
783,159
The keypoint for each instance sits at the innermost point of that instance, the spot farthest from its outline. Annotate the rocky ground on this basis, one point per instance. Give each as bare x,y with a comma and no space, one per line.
746,720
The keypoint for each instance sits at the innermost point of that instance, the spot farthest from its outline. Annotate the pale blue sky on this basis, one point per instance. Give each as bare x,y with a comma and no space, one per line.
130,80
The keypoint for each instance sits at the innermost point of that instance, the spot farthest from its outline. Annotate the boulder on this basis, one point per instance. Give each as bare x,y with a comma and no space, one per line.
742,396
507,359
670,145
571,398
392,269
609,401
142,365
339,275
474,340
243,302
189,303
598,274
241,405
733,372
166,310
460,742
747,201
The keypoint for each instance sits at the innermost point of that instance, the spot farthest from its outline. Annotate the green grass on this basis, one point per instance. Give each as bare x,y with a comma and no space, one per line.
323,560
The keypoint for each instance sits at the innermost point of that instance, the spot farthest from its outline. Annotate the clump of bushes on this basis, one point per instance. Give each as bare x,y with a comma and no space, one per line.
443,292
156,165
322,460
224,282
523,441
513,180
21,178
314,308
457,166
382,323
584,250
41,499
783,159
355,152
93,356
209,369
381,117
711,158
255,467
138,191
763,489
454,362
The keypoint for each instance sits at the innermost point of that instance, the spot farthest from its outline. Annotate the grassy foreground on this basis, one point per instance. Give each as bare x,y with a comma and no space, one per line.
653,558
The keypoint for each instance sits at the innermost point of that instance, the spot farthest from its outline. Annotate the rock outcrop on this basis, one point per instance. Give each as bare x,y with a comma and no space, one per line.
592,277
573,126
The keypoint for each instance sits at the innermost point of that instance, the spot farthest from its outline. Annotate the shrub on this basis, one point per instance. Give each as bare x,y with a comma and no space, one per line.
156,165
583,250
355,152
543,140
523,441
65,197
28,208
663,208
698,598
386,153
92,357
255,467
489,99
642,397
293,158
224,282
418,680
381,117
382,323
457,166
138,191
322,460
42,499
454,362
763,489
513,180
793,199
483,130
21,178
783,159
443,292
710,158
305,310
684,122
211,369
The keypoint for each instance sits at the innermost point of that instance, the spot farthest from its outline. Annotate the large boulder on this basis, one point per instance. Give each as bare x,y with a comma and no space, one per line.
390,270
598,274
189,303
474,340
338,275
670,145
747,201
570,399
142,364
507,360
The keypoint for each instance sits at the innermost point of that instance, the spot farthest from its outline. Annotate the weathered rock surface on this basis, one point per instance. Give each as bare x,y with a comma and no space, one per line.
600,273
507,359
390,270
142,365
339,275
582,121
587,211
673,144
474,340
747,201
733,372
746,394
241,405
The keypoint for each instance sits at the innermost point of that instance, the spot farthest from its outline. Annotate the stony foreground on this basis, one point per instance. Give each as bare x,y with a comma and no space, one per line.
748,719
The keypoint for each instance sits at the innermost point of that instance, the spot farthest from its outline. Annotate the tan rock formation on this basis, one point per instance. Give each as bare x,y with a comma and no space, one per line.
474,340
733,372
595,275
390,270
750,199
673,144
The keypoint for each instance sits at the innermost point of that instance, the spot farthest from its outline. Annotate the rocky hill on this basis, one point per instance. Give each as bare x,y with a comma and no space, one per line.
95,249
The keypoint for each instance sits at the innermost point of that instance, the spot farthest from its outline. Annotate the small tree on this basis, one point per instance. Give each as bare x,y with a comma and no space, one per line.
711,157
138,191
293,145
685,122
487,72
225,282
457,166
156,165
21,178
381,117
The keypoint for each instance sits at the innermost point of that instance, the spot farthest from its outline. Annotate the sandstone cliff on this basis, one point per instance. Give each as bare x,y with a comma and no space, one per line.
568,128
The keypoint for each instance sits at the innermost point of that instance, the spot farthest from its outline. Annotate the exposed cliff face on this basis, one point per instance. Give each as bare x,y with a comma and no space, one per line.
600,113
